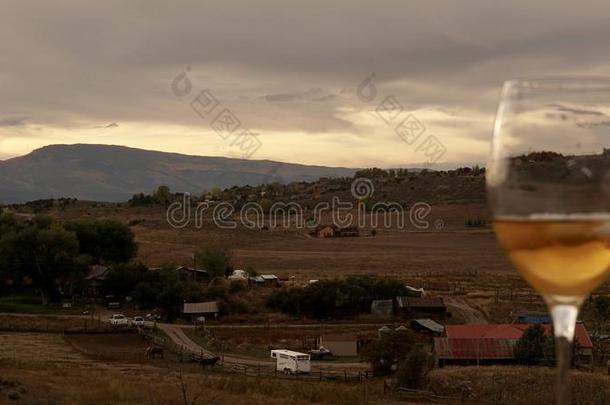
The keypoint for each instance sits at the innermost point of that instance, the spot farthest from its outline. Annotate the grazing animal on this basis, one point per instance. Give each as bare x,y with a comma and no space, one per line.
209,361
152,352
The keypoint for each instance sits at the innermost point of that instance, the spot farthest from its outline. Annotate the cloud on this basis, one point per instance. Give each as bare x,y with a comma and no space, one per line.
593,124
288,68
576,111
12,121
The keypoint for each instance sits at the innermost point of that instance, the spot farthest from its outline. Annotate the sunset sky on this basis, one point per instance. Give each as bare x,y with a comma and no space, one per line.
102,72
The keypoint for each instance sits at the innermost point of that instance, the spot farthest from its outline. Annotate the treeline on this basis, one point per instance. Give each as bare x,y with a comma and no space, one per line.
335,298
162,195
377,173
53,257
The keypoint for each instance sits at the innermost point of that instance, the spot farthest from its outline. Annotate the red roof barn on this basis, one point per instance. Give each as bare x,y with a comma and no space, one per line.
485,344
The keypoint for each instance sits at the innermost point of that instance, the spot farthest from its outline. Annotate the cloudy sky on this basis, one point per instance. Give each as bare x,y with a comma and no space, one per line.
164,75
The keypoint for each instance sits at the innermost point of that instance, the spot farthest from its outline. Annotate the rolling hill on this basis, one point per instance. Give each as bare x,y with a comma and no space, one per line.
115,173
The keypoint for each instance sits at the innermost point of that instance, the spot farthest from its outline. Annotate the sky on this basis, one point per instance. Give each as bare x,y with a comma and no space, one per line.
340,83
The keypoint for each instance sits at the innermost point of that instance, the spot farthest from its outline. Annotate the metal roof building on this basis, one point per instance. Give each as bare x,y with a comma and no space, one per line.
480,344
193,308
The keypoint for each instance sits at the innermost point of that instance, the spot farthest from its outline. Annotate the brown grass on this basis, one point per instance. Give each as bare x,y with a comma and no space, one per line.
517,385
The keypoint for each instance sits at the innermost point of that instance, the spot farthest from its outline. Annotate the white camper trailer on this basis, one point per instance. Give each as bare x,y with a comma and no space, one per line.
290,362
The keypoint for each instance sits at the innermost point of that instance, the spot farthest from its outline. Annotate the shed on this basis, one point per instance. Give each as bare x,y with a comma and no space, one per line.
533,317
382,308
196,309
270,280
428,326
340,344
256,281
419,307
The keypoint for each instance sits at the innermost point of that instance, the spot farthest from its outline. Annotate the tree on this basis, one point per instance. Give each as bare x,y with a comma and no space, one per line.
214,257
388,351
122,279
412,371
162,195
145,295
43,251
533,347
105,241
600,306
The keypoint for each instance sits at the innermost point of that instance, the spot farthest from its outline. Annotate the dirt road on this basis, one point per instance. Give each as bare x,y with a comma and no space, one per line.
470,314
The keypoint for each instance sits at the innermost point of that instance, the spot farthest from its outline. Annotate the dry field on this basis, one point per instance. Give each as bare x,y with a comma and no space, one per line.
44,369
291,252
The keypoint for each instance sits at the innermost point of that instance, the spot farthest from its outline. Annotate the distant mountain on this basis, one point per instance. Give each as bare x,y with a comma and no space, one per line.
115,173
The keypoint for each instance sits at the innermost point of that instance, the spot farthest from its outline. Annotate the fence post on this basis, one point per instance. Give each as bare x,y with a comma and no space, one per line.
320,373
345,374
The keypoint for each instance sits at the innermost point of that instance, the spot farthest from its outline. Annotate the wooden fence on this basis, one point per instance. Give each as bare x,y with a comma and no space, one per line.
256,370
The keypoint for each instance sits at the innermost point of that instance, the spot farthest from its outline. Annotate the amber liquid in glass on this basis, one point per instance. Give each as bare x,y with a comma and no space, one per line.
559,257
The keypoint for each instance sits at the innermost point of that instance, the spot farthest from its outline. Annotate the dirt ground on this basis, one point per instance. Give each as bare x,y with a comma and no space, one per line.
447,245
115,347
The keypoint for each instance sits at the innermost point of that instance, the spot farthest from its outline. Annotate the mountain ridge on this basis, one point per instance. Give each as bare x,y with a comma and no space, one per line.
115,173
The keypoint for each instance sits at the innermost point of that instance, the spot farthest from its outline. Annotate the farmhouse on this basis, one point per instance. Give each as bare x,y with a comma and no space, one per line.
95,277
332,231
325,231
194,310
188,273
418,307
493,344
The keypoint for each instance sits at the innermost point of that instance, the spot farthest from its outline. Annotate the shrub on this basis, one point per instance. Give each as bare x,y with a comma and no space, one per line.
385,353
413,370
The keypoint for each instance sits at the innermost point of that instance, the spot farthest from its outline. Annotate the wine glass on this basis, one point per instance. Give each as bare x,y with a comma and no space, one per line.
548,181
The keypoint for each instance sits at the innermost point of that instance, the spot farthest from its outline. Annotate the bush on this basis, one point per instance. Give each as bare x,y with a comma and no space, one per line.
530,348
388,351
335,298
236,286
475,222
413,370
215,257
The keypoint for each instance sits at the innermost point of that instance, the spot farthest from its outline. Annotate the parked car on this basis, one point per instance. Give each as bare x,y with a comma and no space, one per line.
320,354
137,321
119,319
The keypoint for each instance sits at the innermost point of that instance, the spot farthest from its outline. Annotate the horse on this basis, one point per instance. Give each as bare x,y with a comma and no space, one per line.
152,352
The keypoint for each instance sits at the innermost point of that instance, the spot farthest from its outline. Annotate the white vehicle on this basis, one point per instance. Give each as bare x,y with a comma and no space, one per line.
137,321
290,362
119,319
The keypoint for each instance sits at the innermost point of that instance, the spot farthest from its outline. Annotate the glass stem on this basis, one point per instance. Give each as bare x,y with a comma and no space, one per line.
564,324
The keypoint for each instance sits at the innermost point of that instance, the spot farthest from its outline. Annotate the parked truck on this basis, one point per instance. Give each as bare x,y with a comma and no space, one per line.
290,362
